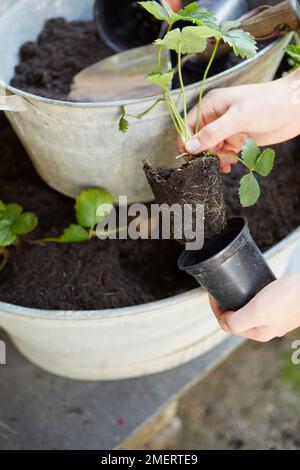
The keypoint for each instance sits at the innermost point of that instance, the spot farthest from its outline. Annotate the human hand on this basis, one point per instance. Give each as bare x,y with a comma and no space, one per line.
273,313
268,113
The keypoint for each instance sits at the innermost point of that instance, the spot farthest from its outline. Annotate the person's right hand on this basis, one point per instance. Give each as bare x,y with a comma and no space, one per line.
268,113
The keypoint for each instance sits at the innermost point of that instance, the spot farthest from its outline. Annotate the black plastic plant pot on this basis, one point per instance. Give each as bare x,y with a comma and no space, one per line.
230,267
124,24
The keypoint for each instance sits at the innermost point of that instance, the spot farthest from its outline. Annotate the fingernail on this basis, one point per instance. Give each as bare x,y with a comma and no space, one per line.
193,146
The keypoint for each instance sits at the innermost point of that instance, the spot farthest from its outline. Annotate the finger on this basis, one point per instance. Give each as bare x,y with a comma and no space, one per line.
215,103
180,146
226,169
212,134
235,143
215,308
262,334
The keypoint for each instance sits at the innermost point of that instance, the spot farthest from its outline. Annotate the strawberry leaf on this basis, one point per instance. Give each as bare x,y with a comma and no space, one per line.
123,125
2,208
7,236
250,154
265,162
242,43
199,16
92,206
192,39
249,190
25,223
156,10
12,212
123,122
73,234
161,79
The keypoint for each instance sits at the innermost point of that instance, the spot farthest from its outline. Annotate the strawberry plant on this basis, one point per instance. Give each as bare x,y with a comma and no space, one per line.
189,40
195,39
91,207
14,223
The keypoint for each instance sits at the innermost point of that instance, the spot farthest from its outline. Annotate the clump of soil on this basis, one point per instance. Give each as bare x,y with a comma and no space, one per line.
120,273
197,182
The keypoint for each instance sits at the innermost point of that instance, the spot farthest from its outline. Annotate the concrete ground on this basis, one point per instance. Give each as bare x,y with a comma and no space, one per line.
251,401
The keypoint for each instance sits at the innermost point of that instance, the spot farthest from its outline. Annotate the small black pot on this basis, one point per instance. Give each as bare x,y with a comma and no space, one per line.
230,267
124,24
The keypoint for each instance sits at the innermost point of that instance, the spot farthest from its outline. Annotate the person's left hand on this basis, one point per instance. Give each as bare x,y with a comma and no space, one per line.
273,313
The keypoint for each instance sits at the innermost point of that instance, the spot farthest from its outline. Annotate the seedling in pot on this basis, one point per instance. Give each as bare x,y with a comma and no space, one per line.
14,223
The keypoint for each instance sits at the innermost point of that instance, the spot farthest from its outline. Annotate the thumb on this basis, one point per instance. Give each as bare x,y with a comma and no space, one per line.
213,134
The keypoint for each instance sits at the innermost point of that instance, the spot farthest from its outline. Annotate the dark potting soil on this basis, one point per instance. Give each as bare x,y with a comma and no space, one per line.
48,65
96,275
195,182
108,274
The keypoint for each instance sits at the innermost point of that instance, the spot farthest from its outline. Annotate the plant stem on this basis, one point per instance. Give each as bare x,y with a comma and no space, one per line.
182,89
184,131
199,110
160,49
141,115
4,253
172,115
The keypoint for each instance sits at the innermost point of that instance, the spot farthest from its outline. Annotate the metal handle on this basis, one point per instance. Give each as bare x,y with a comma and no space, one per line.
12,103
274,21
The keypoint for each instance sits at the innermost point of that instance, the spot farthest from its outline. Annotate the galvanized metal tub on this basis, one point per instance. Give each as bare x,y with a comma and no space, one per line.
74,146
127,342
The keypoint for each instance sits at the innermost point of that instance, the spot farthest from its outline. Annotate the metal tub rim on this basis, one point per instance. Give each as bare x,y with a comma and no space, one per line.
104,104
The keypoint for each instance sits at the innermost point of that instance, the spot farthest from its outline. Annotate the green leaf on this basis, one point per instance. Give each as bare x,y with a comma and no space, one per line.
123,122
12,212
250,154
293,50
7,236
199,16
242,43
14,222
229,26
25,223
2,208
249,190
161,79
192,39
92,206
123,125
265,162
156,10
74,234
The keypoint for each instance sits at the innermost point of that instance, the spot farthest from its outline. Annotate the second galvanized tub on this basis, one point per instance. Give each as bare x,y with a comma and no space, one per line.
73,145
127,342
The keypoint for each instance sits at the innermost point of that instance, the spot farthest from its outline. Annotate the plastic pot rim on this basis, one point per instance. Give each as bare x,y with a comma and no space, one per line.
218,259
